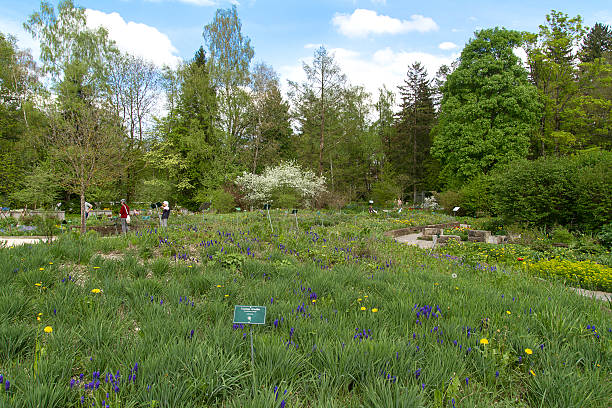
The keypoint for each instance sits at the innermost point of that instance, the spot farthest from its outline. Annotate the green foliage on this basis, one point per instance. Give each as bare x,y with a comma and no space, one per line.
173,317
222,201
575,192
605,236
585,274
489,109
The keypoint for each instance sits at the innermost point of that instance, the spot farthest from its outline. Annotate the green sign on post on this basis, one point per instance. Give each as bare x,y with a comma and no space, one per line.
249,314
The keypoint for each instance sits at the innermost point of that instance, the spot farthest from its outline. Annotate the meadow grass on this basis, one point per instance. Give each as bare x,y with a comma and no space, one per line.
354,320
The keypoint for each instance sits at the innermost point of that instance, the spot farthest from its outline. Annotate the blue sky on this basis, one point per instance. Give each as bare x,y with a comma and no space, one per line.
374,40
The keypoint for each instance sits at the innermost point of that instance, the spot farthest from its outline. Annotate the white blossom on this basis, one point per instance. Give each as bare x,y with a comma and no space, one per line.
259,188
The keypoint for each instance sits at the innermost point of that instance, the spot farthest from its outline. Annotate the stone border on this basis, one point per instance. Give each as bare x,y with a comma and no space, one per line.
412,230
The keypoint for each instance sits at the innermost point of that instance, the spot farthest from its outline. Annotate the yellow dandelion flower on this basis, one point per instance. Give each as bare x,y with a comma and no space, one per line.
366,296
359,300
48,329
218,286
363,308
532,373
50,263
226,295
484,341
529,351
96,290
96,267
374,310
508,312
314,300
38,284
41,269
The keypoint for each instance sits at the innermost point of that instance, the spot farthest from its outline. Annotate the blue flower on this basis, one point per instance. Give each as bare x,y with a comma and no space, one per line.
7,385
282,405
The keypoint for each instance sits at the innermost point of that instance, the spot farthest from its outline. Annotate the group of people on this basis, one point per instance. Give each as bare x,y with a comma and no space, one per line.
124,214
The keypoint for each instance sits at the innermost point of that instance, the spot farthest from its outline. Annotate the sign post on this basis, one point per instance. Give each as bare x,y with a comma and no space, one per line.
294,211
267,208
250,315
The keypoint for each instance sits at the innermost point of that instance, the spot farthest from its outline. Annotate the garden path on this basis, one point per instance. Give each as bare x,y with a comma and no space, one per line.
411,239
15,241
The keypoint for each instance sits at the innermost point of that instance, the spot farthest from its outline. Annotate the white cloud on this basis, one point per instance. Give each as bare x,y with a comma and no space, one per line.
447,45
364,22
310,46
384,66
136,38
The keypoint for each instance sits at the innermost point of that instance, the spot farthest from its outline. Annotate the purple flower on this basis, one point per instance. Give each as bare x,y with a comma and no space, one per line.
1,378
191,334
7,385
467,381
496,374
282,405
82,399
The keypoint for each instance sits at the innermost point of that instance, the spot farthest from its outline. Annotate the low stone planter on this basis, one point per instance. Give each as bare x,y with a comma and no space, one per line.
17,214
479,236
432,231
443,239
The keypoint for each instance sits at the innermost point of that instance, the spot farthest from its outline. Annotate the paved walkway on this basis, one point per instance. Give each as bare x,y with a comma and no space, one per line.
15,241
594,294
411,239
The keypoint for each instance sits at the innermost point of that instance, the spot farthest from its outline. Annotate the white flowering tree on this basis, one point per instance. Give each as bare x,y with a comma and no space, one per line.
260,189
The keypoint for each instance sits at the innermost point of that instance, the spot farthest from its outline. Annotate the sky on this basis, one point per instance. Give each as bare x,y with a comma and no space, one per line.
373,41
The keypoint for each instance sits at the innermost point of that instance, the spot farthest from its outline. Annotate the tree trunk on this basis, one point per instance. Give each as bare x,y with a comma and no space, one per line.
83,220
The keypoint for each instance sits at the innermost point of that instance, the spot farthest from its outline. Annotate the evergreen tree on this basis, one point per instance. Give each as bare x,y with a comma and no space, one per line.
410,147
597,42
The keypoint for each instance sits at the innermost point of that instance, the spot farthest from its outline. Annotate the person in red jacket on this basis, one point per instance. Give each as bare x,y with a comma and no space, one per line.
124,212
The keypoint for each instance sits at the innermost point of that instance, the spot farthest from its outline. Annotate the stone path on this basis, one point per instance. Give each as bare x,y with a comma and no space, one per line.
594,294
15,241
411,239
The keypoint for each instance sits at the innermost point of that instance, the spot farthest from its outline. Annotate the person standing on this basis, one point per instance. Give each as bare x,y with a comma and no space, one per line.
165,214
88,208
124,213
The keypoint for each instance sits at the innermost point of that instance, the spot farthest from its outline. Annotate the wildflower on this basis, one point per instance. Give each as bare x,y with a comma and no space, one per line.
363,308
508,312
454,275
96,267
41,269
226,296
374,310
50,263
496,374
48,329
96,290
484,341
7,385
39,284
467,380
359,300
528,351
314,300
532,373
218,286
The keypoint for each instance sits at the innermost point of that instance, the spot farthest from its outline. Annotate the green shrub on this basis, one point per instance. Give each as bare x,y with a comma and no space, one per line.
450,199
561,235
572,191
605,236
585,274
222,201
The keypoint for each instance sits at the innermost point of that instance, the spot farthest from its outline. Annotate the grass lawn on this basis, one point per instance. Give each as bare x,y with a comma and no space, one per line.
353,320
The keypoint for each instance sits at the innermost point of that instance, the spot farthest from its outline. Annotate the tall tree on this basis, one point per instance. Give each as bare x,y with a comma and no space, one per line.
385,118
319,96
553,59
84,136
597,43
415,120
21,122
230,55
187,146
489,109
269,124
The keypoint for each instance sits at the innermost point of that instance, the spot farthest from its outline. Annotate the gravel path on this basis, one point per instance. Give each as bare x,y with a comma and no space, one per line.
15,241
411,239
